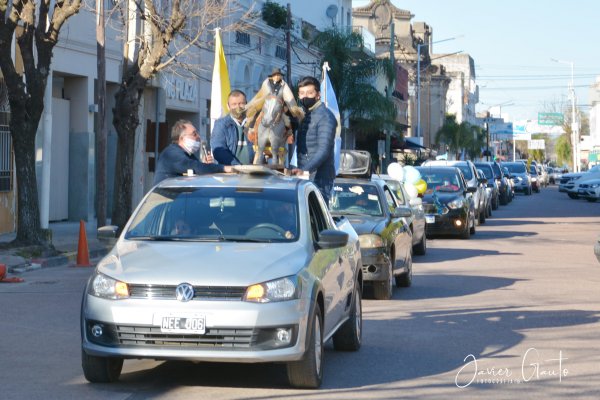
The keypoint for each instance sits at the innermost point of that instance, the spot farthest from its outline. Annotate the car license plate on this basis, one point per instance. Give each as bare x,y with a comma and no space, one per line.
430,219
195,324
581,191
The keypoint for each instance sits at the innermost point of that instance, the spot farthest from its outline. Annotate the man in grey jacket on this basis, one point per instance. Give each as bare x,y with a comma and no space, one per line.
315,139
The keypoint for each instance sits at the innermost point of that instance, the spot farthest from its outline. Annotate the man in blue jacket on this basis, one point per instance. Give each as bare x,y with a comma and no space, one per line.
315,138
229,142
177,158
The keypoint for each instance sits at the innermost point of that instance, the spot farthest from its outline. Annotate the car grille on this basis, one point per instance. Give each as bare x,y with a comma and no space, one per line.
214,337
167,292
430,208
583,186
564,180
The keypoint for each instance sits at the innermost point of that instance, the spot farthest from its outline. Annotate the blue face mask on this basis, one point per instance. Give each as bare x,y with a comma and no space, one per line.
191,145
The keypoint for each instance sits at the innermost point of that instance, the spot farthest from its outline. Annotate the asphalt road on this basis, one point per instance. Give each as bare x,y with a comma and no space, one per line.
512,312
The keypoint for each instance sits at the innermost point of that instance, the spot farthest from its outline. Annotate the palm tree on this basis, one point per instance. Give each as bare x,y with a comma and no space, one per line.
368,110
461,137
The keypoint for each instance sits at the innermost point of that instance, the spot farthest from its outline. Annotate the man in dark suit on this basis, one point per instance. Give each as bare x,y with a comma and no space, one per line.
316,137
229,141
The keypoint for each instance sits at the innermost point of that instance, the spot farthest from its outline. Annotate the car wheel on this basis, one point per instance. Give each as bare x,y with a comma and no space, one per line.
421,248
504,199
382,290
466,234
472,230
101,369
496,202
405,279
573,195
482,215
591,199
308,372
349,336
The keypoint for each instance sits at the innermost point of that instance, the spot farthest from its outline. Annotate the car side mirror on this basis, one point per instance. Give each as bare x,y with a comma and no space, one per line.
332,239
108,234
417,201
402,212
471,189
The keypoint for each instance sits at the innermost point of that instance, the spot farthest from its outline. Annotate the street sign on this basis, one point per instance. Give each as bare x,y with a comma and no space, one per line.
550,119
536,144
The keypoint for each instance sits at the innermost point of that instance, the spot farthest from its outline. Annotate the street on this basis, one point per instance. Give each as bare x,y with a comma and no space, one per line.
512,312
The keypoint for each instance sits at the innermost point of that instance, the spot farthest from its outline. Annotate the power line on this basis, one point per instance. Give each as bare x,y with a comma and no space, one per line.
482,88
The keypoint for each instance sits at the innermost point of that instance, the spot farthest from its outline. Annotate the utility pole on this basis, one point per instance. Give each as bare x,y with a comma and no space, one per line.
288,40
487,136
101,132
388,132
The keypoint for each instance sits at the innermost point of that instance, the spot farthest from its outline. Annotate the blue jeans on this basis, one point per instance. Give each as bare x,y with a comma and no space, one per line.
325,187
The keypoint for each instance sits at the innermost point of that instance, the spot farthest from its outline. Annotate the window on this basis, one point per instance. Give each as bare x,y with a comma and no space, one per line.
281,52
6,161
242,38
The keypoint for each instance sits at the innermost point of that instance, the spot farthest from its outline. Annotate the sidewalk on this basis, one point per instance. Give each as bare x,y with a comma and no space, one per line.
65,238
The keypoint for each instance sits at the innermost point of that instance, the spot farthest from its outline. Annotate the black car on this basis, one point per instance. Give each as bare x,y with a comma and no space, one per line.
505,187
380,222
491,183
448,208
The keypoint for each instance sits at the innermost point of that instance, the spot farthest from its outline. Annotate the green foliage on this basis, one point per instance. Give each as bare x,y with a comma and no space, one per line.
564,156
274,14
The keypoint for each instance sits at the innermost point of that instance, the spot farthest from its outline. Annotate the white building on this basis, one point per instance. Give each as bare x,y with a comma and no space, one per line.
463,92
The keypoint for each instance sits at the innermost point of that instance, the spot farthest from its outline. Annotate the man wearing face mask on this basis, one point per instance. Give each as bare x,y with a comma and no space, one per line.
180,155
315,138
229,138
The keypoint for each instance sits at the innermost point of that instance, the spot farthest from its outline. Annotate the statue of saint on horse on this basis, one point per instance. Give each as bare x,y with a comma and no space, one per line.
272,126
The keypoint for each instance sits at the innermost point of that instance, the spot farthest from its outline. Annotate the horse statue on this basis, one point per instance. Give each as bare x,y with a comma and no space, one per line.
272,126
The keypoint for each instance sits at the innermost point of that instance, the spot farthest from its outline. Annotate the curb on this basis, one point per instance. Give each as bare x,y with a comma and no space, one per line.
56,261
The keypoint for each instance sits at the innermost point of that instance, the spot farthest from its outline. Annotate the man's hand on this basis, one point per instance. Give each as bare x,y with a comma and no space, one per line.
208,159
228,168
297,171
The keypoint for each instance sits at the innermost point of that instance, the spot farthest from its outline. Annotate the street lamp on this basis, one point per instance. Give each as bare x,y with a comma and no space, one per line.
419,45
574,128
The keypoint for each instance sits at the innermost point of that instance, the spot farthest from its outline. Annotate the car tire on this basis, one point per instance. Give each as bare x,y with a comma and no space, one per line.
349,336
496,202
421,248
382,290
308,372
473,229
573,195
405,279
482,215
466,234
504,199
101,369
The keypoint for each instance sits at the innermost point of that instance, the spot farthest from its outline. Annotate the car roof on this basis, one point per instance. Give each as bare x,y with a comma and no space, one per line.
259,178
440,168
446,162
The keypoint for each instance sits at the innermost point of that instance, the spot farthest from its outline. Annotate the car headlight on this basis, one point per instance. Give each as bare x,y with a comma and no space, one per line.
282,289
108,288
594,185
370,241
533,179
456,203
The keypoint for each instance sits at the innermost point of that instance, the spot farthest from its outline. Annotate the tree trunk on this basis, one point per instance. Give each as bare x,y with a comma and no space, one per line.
126,121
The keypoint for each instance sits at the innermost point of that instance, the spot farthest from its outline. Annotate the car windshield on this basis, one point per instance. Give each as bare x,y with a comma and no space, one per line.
516,168
487,170
217,214
496,170
533,170
466,170
355,199
440,181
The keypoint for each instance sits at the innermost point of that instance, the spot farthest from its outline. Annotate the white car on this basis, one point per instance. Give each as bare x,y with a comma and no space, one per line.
588,189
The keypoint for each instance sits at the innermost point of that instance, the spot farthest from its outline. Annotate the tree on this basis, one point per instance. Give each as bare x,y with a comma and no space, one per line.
36,28
460,137
352,79
168,32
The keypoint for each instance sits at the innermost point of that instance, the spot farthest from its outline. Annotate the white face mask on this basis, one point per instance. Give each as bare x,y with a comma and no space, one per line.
191,145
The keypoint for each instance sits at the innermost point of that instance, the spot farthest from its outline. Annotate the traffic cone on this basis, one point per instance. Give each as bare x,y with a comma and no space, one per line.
4,279
83,254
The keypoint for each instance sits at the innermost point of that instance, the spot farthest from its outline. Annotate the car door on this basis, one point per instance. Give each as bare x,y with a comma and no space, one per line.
326,264
398,230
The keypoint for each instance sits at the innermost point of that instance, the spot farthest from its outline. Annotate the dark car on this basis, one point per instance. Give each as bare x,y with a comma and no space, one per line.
492,183
448,207
385,237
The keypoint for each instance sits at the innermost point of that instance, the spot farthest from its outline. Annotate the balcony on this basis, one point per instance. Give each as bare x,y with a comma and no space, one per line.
368,46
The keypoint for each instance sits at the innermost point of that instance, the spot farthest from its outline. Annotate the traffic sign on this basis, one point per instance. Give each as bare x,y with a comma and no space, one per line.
536,144
550,119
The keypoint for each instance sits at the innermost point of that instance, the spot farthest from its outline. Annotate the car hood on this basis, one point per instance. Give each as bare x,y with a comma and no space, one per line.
366,224
202,263
443,197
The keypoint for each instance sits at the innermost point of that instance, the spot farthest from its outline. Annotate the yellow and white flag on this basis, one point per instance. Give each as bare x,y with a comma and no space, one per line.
220,82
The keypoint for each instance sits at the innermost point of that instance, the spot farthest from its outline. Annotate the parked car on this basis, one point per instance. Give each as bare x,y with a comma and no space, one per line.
589,189
385,237
492,185
470,175
543,173
449,209
417,220
504,185
536,182
262,273
511,183
520,176
487,196
568,181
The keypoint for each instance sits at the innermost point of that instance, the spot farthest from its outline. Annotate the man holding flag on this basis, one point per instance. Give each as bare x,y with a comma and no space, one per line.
316,137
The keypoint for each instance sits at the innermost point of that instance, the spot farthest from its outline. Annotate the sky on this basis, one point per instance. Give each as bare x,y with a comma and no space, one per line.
512,43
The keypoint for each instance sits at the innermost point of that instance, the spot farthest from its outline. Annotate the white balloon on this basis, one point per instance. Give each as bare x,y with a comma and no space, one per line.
395,171
411,174
411,190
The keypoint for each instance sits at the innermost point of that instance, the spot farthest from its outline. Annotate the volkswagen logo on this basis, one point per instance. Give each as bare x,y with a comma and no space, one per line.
184,292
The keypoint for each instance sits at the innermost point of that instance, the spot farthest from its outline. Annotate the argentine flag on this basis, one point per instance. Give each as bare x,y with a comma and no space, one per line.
330,101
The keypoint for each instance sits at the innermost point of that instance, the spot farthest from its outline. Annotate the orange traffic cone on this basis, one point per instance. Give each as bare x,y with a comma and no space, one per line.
4,279
83,254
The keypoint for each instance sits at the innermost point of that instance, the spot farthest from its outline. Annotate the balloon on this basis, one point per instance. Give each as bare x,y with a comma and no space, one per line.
411,190
421,186
411,174
395,171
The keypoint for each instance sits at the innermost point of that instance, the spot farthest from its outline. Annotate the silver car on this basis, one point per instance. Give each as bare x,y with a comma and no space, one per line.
226,268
